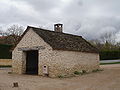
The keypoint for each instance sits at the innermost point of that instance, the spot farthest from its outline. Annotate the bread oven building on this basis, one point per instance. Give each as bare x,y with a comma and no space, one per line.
53,53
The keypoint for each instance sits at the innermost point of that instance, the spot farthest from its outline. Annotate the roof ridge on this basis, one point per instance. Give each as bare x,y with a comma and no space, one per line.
54,31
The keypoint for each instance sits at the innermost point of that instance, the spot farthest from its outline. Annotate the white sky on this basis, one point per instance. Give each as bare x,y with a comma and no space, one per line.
89,18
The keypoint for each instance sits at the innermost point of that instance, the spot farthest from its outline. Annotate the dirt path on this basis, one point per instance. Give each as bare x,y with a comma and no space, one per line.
109,79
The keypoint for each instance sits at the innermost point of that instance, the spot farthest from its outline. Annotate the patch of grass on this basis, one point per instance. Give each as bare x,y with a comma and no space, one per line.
60,76
80,73
77,73
110,63
5,66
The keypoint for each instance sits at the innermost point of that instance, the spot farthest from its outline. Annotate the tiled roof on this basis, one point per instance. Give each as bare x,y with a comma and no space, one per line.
63,41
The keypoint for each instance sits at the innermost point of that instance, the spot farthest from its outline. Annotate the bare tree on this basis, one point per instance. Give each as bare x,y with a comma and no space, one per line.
97,44
15,30
14,33
108,37
1,32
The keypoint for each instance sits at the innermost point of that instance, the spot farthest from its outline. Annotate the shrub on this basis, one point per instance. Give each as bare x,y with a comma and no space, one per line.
80,73
108,55
77,73
5,51
60,76
5,66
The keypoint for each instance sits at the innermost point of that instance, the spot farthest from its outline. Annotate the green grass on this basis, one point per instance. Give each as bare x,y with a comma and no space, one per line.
60,76
110,63
80,72
5,66
77,73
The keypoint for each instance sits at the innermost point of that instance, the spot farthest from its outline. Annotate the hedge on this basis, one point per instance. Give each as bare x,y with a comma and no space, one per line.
109,55
104,55
5,51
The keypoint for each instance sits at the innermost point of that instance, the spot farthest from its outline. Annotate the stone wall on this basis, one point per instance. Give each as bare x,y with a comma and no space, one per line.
30,39
66,62
5,62
59,62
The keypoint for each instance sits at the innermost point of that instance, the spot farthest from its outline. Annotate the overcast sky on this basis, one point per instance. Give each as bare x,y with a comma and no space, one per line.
89,18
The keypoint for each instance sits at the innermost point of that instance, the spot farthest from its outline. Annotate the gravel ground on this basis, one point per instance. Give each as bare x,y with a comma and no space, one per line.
109,79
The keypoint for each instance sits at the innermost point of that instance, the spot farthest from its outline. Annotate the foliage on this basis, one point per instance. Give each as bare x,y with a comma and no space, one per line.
107,50
12,39
111,54
76,72
110,63
60,76
5,51
80,73
5,66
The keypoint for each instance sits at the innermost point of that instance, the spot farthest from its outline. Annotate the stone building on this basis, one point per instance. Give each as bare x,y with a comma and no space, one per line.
53,53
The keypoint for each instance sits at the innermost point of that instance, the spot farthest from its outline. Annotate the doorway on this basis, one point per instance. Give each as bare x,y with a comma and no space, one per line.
32,62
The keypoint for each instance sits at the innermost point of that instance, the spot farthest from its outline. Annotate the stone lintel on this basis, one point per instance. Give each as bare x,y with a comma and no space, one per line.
31,48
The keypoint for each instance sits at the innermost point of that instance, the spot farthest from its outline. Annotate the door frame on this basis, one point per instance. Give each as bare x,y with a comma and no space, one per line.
25,61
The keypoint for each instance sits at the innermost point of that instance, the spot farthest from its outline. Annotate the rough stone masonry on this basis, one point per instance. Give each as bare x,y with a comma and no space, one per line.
58,52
